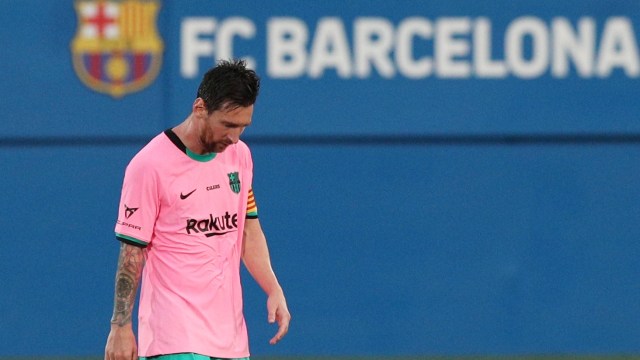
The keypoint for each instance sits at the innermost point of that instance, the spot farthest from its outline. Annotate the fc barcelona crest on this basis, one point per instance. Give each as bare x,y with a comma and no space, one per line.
117,49
234,182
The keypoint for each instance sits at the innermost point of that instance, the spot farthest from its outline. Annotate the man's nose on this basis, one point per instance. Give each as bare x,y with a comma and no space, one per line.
234,135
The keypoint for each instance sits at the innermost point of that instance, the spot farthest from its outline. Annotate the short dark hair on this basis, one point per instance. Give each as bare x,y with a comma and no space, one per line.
229,85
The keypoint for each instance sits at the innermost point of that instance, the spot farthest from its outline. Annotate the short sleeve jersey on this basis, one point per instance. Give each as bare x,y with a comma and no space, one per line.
189,211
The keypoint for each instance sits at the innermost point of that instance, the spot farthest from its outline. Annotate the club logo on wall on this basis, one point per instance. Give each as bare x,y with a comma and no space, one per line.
117,49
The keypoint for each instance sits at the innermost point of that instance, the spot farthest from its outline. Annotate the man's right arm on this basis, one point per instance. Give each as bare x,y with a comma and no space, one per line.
121,343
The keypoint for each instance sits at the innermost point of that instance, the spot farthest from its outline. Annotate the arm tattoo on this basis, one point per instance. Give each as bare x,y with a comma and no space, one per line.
130,264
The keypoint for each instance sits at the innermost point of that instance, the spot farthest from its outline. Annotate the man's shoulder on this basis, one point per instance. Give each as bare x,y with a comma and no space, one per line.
243,152
153,153
236,154
242,146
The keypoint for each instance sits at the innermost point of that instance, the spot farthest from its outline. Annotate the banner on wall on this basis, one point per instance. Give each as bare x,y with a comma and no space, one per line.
418,47
118,50
364,68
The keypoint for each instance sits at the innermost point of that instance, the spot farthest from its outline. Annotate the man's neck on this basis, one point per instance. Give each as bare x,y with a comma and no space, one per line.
187,133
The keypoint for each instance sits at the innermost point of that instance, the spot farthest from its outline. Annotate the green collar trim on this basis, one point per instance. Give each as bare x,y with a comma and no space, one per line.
201,158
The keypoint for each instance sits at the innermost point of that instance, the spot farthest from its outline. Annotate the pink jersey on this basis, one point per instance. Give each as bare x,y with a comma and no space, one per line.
189,210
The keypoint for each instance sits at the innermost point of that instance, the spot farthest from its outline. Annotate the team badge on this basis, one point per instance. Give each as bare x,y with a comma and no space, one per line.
234,182
117,49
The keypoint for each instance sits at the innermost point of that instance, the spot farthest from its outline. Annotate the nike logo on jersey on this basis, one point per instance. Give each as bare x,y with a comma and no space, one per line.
182,197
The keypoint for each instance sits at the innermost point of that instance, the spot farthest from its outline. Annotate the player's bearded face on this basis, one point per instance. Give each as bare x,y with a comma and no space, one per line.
223,127
212,143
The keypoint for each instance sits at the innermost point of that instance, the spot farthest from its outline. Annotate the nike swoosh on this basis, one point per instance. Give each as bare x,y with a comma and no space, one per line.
182,197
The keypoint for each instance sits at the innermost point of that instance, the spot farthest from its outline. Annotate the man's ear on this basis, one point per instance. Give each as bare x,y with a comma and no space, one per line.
199,107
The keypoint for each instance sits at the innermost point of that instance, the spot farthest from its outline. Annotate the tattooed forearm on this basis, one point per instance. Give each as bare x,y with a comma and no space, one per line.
130,264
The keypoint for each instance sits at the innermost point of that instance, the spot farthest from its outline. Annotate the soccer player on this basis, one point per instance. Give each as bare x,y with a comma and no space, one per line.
187,217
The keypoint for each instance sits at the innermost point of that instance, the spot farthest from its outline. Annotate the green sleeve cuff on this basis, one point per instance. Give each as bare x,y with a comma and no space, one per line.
131,240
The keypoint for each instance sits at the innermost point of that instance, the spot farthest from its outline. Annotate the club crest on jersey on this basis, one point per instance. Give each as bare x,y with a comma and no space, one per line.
234,182
117,49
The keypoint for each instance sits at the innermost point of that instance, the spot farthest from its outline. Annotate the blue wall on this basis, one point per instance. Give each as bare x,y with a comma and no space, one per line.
432,214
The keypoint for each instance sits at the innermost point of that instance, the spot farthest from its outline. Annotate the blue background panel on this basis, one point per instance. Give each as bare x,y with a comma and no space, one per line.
430,216
419,250
455,250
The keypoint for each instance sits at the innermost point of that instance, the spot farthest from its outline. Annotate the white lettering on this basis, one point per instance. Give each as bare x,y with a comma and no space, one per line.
286,55
407,64
484,66
234,26
450,48
567,45
330,49
417,47
518,30
373,45
618,47
192,47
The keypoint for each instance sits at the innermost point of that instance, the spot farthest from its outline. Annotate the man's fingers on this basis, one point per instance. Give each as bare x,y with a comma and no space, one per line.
131,354
282,331
283,328
278,312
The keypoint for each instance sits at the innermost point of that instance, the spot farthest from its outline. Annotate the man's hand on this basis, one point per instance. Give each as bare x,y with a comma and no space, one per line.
278,312
121,344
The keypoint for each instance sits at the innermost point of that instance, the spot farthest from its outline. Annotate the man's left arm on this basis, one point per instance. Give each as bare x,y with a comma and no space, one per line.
257,261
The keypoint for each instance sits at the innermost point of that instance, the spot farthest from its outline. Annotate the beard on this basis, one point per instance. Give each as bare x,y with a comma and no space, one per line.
214,147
